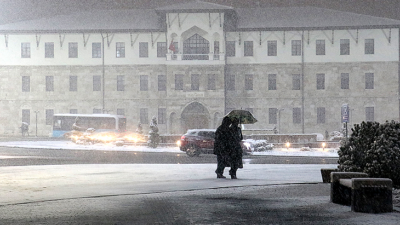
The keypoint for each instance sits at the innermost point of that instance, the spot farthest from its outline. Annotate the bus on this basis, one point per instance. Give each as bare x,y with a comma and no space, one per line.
62,123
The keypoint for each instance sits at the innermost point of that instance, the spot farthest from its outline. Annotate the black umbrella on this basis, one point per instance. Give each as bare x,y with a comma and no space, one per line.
244,116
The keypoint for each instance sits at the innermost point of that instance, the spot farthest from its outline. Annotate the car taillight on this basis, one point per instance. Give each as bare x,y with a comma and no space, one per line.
183,137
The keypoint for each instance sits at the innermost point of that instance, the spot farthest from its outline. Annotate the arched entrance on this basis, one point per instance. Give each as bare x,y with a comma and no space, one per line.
195,116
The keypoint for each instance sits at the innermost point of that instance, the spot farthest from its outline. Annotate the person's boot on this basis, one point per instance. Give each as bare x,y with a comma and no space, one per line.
233,174
219,175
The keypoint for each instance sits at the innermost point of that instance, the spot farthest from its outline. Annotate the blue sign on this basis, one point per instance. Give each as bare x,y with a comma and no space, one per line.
345,113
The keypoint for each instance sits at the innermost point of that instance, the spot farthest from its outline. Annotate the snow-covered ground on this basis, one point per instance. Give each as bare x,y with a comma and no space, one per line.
63,144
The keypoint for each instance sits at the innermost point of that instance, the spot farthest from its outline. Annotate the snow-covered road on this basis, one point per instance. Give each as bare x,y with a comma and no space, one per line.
63,144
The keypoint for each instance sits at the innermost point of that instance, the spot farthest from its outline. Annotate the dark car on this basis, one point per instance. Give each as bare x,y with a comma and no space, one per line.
197,141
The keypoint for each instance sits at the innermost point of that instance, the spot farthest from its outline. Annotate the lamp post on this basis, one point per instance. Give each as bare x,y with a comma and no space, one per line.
36,112
279,120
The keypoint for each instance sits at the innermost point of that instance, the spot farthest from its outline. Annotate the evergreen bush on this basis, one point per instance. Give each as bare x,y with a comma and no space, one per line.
374,149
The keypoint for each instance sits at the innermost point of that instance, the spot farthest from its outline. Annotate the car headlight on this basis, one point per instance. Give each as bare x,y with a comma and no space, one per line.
247,145
178,143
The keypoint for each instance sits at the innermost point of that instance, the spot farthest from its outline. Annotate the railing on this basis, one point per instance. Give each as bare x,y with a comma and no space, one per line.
195,57
210,56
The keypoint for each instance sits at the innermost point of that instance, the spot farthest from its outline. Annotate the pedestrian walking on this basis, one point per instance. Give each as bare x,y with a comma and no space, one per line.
222,145
24,129
227,148
236,151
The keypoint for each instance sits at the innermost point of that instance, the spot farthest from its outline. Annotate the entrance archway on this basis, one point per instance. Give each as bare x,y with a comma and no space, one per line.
195,116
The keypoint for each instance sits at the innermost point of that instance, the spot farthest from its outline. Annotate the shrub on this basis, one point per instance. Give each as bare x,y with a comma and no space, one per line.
374,149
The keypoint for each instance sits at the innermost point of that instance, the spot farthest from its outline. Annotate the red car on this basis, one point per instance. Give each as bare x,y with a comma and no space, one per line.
197,141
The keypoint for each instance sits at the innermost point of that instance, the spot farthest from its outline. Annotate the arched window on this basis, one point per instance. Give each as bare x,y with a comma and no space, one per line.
196,48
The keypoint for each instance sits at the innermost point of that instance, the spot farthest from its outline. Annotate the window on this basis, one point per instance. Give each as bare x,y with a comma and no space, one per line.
230,82
344,81
196,48
144,118
369,46
369,114
248,82
49,83
248,48
120,49
143,49
296,115
320,81
73,50
49,116
321,115
344,47
26,116
296,82
230,49
162,115
97,111
272,48
120,83
272,115
271,81
73,111
216,47
211,82
162,82
195,82
49,49
96,50
121,112
161,49
296,47
73,83
25,50
369,81
144,83
320,47
96,83
178,81
26,84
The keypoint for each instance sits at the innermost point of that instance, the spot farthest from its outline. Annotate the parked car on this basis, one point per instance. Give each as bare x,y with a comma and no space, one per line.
197,141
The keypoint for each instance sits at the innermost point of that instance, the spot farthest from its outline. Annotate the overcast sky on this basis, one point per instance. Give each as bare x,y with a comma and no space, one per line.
17,10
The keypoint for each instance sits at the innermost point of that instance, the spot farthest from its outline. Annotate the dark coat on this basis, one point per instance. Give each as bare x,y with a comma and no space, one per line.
227,145
237,151
223,141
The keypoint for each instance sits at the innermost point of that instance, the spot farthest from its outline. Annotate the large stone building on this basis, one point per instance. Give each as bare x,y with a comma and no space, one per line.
189,64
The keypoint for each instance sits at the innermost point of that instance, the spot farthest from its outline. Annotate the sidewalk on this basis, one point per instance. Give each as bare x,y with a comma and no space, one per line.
172,194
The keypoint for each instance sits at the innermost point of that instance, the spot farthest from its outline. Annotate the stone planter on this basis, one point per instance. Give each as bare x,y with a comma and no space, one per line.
326,174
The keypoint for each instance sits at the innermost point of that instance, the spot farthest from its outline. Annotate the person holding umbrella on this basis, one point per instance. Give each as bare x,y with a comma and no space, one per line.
223,145
236,151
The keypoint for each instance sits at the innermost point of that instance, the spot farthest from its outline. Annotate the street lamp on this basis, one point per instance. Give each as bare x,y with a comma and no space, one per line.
279,120
36,112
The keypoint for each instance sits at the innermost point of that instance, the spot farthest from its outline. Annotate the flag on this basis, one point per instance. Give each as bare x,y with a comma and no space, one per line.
172,46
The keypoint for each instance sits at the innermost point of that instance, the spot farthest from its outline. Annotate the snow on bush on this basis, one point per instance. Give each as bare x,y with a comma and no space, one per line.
374,149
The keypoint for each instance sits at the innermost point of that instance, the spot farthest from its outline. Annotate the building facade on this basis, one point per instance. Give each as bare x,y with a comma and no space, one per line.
189,64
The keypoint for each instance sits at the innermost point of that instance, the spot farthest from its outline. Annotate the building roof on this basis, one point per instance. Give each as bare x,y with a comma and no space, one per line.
91,21
246,19
194,6
285,18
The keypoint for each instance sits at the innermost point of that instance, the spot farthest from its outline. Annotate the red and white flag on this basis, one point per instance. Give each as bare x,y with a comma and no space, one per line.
172,46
